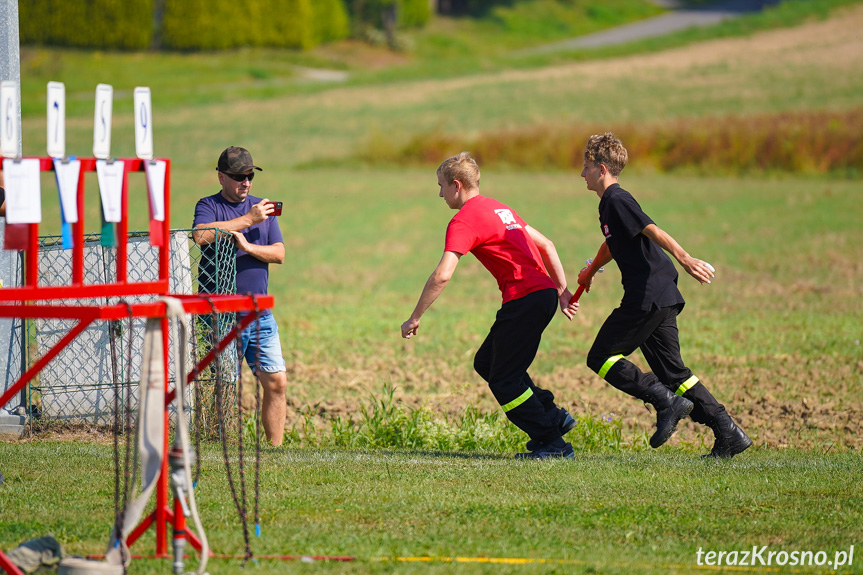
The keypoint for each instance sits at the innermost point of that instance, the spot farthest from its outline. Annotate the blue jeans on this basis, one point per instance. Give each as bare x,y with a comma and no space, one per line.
260,345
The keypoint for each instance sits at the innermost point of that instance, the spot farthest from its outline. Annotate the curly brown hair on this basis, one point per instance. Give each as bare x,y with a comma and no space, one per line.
606,149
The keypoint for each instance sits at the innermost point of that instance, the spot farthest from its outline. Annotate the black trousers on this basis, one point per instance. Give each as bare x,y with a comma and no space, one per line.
655,333
504,357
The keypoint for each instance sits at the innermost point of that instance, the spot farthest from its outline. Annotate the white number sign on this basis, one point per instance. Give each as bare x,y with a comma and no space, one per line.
56,119
102,121
9,128
143,124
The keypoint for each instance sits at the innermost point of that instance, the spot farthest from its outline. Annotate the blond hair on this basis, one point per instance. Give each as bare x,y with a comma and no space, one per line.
462,168
606,149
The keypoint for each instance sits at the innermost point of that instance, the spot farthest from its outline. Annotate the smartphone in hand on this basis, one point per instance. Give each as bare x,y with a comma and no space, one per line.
277,208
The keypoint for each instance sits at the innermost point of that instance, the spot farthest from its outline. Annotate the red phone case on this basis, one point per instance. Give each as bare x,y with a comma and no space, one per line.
277,208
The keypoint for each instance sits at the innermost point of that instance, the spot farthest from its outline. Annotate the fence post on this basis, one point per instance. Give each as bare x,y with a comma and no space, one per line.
10,329
10,53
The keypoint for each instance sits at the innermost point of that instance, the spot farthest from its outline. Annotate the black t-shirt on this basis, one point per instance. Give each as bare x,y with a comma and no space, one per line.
648,275
2,196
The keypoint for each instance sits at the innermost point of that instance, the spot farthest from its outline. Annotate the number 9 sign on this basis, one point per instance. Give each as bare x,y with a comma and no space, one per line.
143,124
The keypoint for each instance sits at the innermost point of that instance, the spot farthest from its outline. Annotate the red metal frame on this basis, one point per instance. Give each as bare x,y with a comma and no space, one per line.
18,304
121,287
8,566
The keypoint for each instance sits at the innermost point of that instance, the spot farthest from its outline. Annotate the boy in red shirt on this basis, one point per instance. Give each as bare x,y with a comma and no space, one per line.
531,279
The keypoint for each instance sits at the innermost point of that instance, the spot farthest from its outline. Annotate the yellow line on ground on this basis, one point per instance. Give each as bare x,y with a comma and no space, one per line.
540,560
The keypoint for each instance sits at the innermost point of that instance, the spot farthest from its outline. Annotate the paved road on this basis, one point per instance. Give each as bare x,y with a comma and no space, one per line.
677,19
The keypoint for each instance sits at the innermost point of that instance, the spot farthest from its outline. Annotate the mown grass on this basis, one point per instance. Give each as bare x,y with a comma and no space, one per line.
482,40
779,327
191,79
783,14
780,320
447,48
612,513
327,125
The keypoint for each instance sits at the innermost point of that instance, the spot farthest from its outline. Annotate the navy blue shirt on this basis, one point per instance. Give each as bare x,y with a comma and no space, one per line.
252,274
648,275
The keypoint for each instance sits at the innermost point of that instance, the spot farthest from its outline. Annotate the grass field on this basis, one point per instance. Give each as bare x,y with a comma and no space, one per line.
407,512
776,336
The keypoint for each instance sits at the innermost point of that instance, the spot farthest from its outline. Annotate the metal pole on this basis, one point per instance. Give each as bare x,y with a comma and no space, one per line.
10,51
11,330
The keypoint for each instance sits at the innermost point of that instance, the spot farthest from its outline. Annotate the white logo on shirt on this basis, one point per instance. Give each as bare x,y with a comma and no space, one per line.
505,216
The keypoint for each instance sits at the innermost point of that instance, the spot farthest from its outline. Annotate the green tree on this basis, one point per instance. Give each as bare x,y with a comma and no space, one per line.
109,24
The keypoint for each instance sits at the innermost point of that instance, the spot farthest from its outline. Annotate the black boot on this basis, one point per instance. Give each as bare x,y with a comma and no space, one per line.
730,438
670,409
557,448
566,424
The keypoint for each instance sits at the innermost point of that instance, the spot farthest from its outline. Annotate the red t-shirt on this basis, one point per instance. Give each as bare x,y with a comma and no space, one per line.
497,237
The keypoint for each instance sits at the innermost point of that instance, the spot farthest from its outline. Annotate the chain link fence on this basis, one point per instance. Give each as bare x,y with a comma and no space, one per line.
79,385
12,338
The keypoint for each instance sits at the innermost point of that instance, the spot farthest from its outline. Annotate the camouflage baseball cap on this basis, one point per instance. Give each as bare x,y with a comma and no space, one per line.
236,161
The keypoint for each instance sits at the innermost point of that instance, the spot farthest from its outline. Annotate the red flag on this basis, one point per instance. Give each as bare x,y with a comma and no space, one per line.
17,236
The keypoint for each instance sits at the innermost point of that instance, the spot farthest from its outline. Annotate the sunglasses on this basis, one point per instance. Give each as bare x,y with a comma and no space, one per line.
240,177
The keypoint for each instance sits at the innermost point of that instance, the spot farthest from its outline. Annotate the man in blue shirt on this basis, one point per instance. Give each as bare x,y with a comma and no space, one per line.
259,243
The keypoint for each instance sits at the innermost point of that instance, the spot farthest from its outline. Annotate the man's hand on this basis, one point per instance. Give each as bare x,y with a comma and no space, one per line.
585,278
260,211
568,309
409,328
699,269
240,241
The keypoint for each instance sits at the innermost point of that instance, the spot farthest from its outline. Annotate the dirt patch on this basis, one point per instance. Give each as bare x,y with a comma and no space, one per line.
777,400
66,431
361,54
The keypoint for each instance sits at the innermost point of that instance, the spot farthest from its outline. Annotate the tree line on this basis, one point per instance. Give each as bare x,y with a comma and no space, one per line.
190,25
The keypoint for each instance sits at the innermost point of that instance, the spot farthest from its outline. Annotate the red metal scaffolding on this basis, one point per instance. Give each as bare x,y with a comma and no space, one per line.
18,302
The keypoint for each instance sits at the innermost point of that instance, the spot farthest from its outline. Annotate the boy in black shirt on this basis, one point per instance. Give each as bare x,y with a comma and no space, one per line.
647,316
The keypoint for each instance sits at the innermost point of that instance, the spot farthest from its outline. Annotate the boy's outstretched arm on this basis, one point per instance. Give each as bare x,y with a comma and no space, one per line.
699,269
555,271
603,256
434,286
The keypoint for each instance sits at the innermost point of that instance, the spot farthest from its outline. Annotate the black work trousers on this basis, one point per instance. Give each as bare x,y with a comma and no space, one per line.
655,333
505,356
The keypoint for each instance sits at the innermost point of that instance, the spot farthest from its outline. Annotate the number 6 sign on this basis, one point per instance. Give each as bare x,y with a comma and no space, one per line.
9,128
